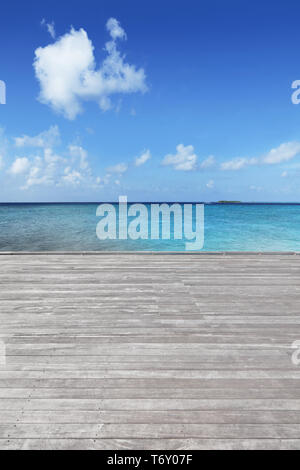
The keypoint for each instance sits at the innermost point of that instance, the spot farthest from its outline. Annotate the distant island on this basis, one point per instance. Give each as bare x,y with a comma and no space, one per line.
229,202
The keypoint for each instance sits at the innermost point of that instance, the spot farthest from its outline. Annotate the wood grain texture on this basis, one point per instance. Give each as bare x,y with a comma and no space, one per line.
149,351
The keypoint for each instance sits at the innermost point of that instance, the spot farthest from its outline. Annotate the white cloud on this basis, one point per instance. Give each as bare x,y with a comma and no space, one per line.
33,180
119,168
72,177
105,103
47,138
51,157
78,152
238,163
50,27
104,180
115,30
67,72
146,155
50,168
19,166
210,184
185,159
208,162
45,169
284,174
283,153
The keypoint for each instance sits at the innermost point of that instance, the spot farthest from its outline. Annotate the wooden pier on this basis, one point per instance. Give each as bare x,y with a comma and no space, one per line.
149,351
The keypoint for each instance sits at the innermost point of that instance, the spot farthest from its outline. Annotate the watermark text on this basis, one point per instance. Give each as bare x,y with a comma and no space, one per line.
152,221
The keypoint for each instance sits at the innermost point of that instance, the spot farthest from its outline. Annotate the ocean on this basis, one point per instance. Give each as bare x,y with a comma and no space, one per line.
72,227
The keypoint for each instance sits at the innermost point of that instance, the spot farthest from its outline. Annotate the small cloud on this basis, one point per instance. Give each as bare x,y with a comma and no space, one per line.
19,166
119,168
118,106
105,103
210,184
115,30
208,162
146,155
283,153
184,160
47,138
284,174
238,163
50,27
78,152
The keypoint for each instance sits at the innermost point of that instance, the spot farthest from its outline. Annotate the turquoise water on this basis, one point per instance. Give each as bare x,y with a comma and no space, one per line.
72,227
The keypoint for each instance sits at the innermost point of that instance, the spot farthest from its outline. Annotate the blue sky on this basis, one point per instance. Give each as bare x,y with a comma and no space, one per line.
161,100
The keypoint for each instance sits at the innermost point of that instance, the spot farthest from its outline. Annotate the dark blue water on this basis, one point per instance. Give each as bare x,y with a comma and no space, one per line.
72,227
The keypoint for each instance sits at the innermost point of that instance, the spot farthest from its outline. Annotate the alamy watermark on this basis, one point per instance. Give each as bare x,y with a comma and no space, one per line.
2,92
152,221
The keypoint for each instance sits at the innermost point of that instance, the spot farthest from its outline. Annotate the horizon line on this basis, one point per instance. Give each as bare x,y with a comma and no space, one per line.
221,202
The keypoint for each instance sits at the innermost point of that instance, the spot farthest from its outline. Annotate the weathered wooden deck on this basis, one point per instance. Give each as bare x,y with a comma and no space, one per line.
149,351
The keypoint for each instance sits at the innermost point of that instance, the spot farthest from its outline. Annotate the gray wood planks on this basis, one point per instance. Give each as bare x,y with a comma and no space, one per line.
149,351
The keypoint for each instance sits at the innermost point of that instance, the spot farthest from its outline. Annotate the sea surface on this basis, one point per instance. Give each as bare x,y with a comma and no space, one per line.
72,227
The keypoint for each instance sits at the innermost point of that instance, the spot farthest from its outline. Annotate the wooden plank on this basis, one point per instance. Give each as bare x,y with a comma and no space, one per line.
149,444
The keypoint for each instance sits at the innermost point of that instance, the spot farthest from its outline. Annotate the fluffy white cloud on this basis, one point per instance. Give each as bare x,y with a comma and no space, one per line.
185,159
119,168
143,158
19,166
47,138
51,169
67,72
283,153
47,167
210,184
44,169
